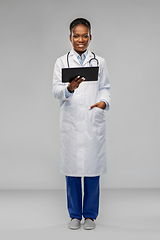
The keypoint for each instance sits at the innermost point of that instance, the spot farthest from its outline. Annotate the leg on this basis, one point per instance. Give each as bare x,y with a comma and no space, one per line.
74,197
91,197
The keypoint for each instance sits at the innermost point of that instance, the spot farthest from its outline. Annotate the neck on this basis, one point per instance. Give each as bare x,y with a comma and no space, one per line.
80,53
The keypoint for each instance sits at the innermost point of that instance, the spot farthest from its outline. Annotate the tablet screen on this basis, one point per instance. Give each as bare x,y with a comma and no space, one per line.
90,73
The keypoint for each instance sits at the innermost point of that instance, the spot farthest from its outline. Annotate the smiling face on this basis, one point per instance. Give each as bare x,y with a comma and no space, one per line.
80,38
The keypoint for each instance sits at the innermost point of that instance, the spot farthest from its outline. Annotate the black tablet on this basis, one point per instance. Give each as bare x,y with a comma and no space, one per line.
90,73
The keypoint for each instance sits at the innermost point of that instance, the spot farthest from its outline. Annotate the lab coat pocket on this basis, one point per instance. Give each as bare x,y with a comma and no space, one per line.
99,120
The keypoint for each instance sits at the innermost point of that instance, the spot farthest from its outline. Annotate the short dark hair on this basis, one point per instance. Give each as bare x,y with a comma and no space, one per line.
78,21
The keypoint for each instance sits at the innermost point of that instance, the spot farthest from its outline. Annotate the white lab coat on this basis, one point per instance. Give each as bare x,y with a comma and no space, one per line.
83,140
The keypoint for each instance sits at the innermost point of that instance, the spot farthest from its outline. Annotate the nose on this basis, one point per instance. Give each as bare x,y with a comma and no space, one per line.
80,39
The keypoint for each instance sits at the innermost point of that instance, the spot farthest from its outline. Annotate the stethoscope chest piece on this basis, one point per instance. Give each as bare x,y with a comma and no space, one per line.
93,62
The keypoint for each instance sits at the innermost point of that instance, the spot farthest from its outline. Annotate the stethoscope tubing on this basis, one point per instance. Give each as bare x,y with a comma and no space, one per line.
94,58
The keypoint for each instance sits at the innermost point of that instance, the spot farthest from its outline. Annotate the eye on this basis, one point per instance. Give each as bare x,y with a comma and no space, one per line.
86,36
75,36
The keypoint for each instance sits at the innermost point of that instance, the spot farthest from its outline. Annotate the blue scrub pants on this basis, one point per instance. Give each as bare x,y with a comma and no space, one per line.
90,200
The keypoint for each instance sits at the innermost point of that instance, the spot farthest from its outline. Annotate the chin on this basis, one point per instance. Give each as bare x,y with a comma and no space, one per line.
81,50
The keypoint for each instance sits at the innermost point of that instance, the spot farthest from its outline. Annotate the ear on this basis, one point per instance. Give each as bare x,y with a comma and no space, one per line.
70,37
90,37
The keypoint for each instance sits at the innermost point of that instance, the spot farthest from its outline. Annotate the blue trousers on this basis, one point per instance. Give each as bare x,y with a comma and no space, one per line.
90,199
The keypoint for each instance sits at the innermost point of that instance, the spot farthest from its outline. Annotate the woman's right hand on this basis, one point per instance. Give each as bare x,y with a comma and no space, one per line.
75,83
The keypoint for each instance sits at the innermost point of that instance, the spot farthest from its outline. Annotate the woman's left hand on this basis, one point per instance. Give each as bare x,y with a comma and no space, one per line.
101,105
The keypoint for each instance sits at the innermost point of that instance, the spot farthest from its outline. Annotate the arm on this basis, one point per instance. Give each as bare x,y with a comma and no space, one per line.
104,88
59,89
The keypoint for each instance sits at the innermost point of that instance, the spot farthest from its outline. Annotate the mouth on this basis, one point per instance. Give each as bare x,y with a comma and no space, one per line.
81,45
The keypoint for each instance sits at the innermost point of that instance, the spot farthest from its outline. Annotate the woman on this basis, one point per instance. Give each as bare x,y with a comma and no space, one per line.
82,126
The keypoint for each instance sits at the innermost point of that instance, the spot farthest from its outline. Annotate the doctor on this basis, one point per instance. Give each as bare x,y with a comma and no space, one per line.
82,127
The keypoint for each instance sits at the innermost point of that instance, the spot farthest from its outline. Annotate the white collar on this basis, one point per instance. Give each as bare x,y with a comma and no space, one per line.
84,54
88,56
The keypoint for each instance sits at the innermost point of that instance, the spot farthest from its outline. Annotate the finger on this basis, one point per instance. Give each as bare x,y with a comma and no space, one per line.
94,105
81,79
76,78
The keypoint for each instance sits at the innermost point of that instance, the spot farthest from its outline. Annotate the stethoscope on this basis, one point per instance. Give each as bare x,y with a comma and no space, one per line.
94,58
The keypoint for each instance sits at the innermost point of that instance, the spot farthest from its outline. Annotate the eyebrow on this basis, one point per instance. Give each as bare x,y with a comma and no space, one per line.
82,33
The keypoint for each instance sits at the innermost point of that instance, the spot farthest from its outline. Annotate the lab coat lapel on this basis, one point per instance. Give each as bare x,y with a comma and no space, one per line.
88,57
74,57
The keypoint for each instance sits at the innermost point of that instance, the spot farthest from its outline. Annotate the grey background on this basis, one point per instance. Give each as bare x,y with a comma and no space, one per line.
33,34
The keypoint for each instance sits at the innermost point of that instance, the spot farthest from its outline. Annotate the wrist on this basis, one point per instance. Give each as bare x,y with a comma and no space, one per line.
70,89
104,104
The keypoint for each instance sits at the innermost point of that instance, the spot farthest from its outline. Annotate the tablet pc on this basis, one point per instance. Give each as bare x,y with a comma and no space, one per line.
90,73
